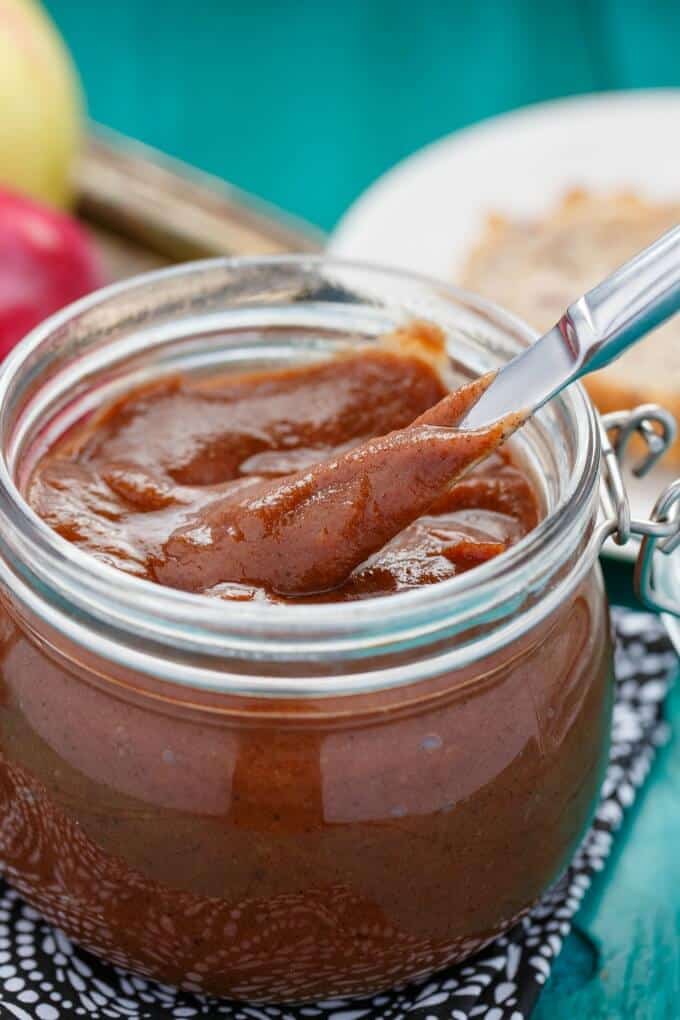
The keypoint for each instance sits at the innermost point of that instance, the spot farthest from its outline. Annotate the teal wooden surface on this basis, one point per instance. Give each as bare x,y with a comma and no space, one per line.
305,103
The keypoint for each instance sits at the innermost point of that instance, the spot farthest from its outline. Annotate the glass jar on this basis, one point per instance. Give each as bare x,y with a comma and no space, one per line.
281,802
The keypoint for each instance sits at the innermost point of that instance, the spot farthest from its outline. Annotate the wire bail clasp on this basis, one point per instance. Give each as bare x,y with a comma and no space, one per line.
660,532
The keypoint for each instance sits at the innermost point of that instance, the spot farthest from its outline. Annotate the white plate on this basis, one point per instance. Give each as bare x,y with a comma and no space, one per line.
427,211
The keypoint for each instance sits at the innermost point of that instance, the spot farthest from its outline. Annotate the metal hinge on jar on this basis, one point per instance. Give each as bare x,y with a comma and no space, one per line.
660,532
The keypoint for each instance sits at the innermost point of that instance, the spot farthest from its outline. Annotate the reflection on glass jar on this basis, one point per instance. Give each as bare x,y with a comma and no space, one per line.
291,802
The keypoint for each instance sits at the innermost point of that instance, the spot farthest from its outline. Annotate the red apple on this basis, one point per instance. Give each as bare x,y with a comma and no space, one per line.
46,261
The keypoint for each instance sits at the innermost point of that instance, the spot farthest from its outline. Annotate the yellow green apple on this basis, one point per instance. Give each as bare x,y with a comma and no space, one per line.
41,107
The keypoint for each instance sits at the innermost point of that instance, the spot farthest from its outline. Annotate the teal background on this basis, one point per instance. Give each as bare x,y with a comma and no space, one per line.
305,103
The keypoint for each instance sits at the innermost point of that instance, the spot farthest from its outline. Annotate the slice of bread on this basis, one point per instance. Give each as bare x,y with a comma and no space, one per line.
536,268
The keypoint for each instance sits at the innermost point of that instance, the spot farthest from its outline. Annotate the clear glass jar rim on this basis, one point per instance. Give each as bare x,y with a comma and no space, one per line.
309,629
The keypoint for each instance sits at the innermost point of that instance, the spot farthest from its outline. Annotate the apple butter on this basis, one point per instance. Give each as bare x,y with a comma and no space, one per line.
284,484
272,847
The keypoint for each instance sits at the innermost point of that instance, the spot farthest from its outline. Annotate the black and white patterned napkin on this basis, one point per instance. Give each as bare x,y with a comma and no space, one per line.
43,976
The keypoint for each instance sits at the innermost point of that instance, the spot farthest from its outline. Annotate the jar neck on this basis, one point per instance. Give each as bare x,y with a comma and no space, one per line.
276,650
290,651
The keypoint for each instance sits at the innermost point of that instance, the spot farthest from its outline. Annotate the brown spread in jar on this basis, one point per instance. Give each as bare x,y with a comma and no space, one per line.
285,848
331,481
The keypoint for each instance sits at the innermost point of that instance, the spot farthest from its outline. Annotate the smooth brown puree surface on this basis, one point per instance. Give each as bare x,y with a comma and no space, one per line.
326,481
